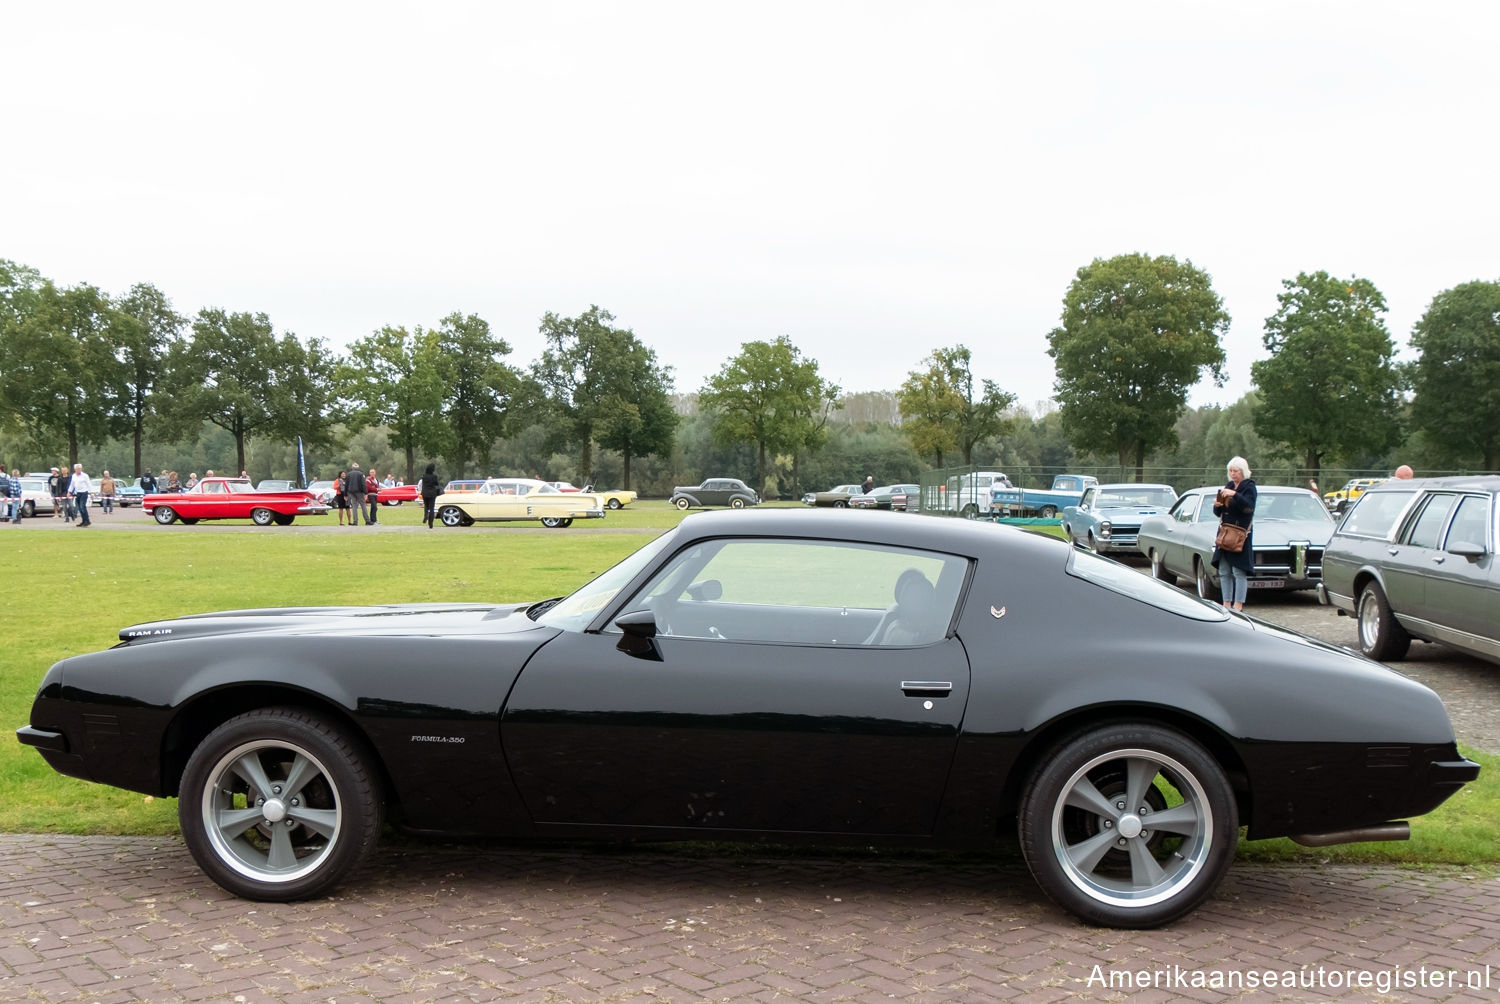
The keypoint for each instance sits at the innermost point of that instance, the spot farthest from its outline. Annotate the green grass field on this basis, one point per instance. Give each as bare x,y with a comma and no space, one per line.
68,593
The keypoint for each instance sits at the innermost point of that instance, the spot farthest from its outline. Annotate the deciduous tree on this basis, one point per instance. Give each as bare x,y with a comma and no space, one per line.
479,388
1456,379
941,409
1136,333
149,330
392,378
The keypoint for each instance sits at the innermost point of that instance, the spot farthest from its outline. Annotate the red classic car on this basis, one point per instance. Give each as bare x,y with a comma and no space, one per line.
232,498
396,494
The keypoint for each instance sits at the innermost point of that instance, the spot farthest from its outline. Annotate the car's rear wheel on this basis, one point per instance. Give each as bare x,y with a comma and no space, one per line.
841,503
1048,511
736,503
278,805
682,503
1380,636
189,520
451,515
1128,825
28,509
164,514
612,504
1159,568
554,522
261,516
1204,581
970,511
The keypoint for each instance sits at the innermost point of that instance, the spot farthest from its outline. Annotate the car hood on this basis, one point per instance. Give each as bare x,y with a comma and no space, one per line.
391,619
1279,533
1115,512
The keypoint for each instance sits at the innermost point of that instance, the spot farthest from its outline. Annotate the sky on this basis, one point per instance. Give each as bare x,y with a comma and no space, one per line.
872,180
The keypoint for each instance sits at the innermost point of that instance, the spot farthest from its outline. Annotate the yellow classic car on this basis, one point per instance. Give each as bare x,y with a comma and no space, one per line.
1339,501
615,498
500,499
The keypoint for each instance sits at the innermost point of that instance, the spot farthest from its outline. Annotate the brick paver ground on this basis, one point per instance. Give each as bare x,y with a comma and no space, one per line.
127,918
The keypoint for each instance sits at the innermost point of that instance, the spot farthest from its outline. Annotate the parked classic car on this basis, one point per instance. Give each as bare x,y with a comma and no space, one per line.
128,492
511,499
231,498
751,676
713,492
613,498
1288,533
1108,517
1340,500
1416,559
36,497
397,494
882,497
836,497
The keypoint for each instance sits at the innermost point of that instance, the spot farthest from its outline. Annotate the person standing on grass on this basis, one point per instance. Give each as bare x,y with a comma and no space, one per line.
106,493
354,490
80,487
372,493
16,496
57,484
428,486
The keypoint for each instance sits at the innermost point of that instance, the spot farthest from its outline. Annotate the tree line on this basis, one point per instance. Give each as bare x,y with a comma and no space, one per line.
82,373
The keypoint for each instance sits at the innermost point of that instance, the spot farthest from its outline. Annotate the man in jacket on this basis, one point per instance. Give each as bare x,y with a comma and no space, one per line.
372,492
354,490
80,487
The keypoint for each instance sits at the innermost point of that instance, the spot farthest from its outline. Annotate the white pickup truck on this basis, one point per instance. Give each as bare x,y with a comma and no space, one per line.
968,495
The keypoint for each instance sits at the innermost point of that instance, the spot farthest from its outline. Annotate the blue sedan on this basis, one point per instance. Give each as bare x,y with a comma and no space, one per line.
1108,518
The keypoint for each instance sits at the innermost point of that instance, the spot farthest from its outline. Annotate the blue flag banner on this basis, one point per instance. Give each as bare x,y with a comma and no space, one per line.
301,465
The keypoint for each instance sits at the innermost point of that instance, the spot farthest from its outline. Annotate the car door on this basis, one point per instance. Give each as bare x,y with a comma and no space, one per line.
1411,560
1461,588
1176,551
773,705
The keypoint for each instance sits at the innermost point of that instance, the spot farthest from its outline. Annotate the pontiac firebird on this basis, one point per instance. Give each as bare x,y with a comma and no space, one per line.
808,675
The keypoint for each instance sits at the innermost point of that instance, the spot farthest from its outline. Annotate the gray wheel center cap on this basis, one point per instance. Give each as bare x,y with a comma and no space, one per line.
1129,825
275,811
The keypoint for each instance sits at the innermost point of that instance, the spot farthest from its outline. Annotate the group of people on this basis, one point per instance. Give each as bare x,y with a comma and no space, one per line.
356,494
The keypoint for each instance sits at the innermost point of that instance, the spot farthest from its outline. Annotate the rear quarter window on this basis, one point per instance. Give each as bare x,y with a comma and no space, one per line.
1375,514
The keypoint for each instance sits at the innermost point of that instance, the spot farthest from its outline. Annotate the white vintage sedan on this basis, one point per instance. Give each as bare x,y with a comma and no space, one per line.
504,499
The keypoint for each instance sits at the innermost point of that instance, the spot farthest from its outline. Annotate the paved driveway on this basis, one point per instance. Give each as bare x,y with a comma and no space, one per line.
125,919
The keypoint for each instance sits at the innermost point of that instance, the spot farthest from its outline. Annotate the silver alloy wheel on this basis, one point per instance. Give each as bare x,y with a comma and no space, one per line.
261,516
1111,846
271,811
451,515
1206,588
164,514
612,504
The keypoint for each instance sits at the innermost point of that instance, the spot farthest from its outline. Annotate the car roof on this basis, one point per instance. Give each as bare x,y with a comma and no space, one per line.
971,538
1128,485
1456,482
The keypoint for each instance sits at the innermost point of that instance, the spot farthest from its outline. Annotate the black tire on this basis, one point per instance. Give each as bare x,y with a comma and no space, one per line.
1048,512
612,504
284,519
451,515
261,516
1204,582
736,503
189,520
1128,825
1380,636
1159,568
28,509
308,837
841,503
554,522
682,503
164,514
1090,543
970,511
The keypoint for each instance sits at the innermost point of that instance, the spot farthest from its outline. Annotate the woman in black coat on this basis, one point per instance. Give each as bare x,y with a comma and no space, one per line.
1235,504
428,486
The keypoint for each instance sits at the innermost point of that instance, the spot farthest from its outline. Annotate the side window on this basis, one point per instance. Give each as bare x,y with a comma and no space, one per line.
1188,509
1470,523
1427,529
842,593
1088,498
1375,514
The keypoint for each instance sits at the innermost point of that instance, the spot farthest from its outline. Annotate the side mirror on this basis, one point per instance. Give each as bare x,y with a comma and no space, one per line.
1466,549
708,589
639,638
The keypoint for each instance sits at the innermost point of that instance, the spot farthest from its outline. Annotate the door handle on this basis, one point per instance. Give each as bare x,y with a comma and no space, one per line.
1438,559
926,688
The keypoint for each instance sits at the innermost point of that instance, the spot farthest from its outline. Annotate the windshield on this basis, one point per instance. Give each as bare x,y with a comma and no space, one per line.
1284,505
573,613
1117,496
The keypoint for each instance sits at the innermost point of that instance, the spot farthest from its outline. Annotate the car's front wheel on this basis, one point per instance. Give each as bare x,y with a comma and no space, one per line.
1159,568
451,515
612,504
682,503
28,509
736,503
261,516
1380,636
164,514
278,805
1128,825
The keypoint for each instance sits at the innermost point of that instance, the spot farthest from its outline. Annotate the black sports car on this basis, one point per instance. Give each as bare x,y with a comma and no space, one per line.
790,675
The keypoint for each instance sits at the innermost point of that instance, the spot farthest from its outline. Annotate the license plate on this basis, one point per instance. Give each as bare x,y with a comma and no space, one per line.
1267,583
